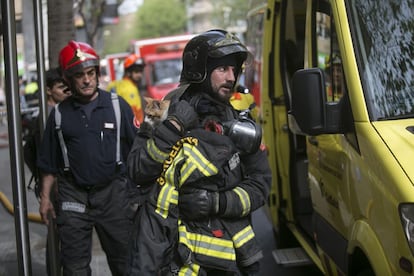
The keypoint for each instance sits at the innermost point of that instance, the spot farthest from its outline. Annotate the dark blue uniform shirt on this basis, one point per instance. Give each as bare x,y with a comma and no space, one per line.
91,143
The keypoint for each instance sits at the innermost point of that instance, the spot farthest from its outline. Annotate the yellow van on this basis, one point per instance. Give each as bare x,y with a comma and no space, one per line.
337,103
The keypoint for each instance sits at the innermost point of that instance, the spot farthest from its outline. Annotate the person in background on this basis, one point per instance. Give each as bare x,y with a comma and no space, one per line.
56,92
56,88
22,87
335,80
31,93
84,146
128,86
212,62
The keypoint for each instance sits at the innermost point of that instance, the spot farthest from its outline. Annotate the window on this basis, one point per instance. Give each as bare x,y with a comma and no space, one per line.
328,56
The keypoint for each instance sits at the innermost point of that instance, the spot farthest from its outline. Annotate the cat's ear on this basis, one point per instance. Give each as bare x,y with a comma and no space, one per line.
165,104
148,99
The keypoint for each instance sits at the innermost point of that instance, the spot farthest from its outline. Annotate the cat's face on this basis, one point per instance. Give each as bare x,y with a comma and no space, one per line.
155,111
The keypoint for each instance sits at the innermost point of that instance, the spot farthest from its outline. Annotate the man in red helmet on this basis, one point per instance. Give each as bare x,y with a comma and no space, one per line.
85,143
128,87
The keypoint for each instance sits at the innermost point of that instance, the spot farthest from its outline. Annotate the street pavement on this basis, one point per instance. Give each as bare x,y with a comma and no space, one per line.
38,233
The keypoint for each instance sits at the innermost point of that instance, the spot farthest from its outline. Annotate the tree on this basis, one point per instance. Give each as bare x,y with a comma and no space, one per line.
61,29
117,37
91,13
158,18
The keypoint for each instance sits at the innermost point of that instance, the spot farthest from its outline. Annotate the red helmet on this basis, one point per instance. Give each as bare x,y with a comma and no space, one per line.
76,56
133,60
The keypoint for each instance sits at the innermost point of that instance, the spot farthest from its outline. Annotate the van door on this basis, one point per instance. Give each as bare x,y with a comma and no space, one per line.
328,154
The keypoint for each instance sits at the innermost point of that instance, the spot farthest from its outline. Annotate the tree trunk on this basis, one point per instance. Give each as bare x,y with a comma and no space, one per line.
61,27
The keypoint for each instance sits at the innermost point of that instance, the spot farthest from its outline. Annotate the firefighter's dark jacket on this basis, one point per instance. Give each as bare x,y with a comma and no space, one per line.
93,158
242,181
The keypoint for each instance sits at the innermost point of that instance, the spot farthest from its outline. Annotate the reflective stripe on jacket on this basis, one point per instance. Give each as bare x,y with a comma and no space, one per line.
214,242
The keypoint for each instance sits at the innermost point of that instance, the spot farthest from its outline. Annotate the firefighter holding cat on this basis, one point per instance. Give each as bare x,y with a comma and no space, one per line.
212,62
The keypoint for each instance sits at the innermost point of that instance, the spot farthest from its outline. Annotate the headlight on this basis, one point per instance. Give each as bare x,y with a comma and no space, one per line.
407,220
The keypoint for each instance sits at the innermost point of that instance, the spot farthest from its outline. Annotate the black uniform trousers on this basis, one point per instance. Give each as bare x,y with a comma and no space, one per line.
106,208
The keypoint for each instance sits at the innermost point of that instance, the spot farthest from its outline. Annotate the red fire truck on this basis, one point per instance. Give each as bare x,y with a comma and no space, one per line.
163,63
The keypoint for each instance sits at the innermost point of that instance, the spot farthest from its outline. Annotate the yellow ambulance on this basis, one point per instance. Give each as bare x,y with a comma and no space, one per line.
337,103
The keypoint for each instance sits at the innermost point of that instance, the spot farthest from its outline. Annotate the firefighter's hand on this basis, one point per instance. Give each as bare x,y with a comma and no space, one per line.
195,204
46,209
183,114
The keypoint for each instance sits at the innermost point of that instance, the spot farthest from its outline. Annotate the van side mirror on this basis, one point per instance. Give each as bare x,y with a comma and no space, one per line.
310,113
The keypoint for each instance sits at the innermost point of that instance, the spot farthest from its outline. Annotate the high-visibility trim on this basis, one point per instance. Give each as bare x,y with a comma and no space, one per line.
169,174
194,160
155,153
208,246
244,236
175,150
189,270
244,200
203,164
168,195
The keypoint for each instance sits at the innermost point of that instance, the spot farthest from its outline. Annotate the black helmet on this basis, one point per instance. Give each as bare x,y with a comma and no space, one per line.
211,44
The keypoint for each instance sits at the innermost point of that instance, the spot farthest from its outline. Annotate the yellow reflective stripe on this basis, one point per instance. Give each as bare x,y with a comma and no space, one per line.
195,160
206,245
189,270
203,165
170,172
243,236
155,152
167,195
186,170
244,200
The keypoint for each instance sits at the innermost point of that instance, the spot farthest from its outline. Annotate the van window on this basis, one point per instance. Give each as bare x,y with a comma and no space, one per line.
328,54
383,32
254,42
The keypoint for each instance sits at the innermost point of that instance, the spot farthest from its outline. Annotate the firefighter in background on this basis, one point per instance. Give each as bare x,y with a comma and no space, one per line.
128,86
84,148
335,79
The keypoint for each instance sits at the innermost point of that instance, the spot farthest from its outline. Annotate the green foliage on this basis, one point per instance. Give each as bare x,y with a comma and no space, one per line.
158,18
155,18
117,37
229,12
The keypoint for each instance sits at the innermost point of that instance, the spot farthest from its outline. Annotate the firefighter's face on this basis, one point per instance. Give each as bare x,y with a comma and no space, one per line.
337,74
222,80
136,75
86,83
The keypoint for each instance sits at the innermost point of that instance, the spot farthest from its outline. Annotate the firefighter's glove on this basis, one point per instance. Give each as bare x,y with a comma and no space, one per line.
184,114
196,204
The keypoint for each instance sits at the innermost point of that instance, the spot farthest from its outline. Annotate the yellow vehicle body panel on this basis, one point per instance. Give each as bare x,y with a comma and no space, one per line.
357,180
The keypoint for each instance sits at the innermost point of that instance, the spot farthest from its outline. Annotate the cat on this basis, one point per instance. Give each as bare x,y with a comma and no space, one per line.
155,111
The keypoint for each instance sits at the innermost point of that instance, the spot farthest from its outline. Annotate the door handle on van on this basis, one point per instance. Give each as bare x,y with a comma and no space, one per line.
313,141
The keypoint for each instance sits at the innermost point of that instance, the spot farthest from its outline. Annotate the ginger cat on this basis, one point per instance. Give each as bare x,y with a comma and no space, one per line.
155,111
